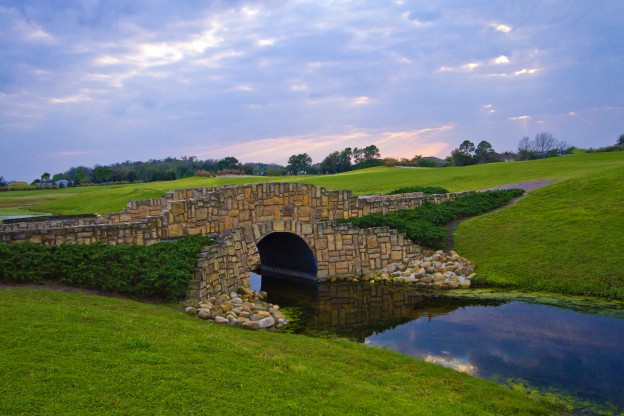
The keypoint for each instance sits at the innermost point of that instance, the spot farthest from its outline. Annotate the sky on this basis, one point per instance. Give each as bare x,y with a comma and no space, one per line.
86,82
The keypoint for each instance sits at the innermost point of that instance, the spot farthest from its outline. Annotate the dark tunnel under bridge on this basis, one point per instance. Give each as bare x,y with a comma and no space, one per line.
286,254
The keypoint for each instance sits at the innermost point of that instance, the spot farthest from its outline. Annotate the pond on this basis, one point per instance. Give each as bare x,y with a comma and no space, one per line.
572,353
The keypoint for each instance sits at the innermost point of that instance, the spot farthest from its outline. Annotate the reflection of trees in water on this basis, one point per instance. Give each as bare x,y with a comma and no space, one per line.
357,310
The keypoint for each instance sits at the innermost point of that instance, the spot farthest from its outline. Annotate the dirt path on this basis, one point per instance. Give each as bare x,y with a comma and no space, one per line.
527,186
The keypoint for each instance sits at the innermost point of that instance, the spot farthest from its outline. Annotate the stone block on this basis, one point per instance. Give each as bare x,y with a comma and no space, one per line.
174,231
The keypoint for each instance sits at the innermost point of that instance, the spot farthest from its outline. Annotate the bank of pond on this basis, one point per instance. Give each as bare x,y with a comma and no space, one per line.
570,347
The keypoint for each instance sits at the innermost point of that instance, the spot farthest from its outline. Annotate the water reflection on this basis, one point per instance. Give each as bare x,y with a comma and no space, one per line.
546,347
358,311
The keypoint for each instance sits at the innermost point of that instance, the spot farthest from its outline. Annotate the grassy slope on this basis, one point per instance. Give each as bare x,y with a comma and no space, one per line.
103,199
70,354
381,180
567,238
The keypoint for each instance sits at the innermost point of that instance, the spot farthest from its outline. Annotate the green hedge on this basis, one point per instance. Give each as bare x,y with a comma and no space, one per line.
427,190
425,225
160,271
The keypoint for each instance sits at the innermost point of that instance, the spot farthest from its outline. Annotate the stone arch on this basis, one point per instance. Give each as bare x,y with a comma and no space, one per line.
287,253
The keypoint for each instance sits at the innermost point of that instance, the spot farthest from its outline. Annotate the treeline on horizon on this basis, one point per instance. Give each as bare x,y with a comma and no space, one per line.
171,168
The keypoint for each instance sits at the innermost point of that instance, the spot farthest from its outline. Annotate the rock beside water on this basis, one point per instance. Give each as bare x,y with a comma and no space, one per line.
427,269
246,309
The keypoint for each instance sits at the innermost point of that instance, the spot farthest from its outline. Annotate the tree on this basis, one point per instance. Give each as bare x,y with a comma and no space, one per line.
484,151
2,182
299,164
330,163
464,155
524,148
45,177
101,174
344,160
544,143
620,141
371,152
228,163
358,155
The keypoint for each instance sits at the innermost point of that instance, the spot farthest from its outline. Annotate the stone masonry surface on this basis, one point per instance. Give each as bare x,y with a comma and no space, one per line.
240,216
212,211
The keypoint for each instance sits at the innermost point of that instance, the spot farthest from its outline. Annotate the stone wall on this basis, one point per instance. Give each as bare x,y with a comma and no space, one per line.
340,249
241,216
213,210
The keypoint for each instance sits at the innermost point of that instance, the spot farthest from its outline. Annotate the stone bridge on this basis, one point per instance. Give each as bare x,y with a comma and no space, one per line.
285,227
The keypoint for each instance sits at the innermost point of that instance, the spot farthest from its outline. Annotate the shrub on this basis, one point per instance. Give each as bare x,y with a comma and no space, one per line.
160,271
390,162
368,164
427,190
425,225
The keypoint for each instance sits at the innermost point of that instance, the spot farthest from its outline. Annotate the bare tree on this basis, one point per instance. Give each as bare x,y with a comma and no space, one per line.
544,142
524,145
562,146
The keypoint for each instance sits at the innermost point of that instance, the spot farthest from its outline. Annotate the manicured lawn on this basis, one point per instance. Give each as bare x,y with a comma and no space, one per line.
74,354
567,237
112,198
383,180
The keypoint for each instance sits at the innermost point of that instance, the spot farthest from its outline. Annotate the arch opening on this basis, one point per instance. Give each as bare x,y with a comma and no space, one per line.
284,253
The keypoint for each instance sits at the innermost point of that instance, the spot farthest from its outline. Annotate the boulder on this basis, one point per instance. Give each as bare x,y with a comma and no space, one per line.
190,310
266,322
204,314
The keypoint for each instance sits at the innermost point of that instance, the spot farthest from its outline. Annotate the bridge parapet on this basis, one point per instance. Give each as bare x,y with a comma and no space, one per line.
213,210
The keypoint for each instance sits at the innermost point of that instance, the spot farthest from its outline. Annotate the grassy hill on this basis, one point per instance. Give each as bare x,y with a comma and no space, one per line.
74,354
67,353
112,198
567,237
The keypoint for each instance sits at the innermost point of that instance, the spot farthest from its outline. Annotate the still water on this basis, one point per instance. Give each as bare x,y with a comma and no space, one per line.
548,348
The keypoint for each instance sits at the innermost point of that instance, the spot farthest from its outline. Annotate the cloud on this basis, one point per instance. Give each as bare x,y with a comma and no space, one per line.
227,75
456,363
361,100
502,59
398,144
501,28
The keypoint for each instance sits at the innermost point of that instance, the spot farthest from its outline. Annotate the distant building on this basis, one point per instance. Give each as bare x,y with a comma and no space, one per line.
62,183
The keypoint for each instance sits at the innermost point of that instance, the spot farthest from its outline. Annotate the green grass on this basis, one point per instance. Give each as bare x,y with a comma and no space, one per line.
74,354
567,238
104,199
383,180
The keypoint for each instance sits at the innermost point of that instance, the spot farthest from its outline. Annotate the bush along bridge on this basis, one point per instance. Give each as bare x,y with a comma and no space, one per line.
284,228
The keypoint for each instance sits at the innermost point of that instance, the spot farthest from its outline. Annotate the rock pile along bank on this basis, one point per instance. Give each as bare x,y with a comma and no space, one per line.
247,309
428,269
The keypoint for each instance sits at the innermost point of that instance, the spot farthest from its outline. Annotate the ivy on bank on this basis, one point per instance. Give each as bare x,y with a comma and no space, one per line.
159,271
425,225
427,190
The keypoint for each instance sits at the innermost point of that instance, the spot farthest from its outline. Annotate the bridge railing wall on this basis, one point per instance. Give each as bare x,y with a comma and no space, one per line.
214,210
